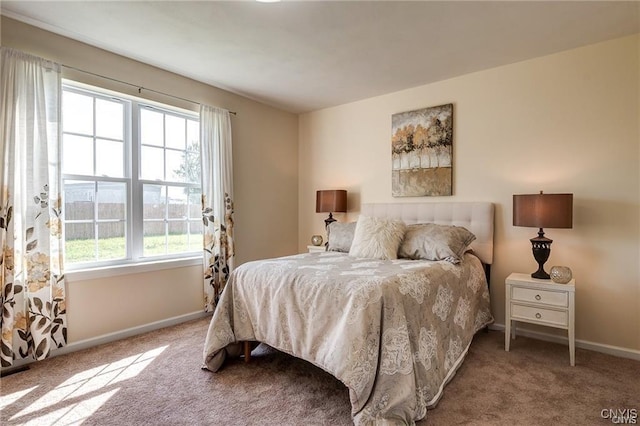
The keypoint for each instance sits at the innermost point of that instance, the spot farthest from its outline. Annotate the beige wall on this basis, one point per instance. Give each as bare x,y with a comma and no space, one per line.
265,185
561,123
567,122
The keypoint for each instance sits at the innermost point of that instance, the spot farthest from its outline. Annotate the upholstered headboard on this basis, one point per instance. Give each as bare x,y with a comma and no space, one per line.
477,217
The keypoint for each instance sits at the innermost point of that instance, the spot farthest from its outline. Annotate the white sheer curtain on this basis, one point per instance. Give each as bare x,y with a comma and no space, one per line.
31,267
217,201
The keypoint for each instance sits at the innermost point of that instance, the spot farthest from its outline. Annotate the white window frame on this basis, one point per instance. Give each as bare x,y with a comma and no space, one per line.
134,260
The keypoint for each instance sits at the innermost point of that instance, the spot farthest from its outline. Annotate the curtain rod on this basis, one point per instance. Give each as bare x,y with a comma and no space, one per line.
140,88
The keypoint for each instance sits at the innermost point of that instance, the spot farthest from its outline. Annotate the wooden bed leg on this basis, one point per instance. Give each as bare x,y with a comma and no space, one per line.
247,351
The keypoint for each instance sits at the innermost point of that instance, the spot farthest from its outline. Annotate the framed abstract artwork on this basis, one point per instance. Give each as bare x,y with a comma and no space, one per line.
422,152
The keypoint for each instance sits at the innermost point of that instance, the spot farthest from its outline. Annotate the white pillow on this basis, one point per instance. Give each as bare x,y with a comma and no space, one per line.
377,238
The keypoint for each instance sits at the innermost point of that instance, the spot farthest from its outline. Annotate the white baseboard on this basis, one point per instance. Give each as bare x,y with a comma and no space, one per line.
583,344
112,337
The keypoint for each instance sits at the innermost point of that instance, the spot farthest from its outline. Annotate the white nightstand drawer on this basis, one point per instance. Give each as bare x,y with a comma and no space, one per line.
530,313
551,298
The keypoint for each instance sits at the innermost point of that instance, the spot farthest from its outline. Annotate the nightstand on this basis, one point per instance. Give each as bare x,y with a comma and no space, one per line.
541,302
316,249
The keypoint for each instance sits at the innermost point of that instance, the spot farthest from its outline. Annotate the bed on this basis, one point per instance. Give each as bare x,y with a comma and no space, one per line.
394,331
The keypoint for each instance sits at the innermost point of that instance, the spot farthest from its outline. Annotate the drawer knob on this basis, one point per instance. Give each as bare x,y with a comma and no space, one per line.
538,316
538,297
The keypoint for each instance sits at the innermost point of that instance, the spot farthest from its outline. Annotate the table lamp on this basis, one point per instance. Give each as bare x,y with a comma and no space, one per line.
542,211
331,200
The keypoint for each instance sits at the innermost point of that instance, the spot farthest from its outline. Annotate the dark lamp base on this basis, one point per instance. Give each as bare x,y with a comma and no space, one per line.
328,221
541,247
541,275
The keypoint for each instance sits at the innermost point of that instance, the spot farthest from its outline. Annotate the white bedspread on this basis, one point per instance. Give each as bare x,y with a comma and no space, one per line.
394,332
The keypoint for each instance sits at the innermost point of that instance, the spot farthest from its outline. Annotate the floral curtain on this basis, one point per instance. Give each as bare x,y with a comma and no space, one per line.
217,201
31,267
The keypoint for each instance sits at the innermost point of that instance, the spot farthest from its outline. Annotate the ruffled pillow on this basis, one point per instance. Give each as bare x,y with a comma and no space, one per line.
377,238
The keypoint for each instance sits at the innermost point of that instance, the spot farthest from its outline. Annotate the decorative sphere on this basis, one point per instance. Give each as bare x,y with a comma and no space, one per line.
316,240
561,274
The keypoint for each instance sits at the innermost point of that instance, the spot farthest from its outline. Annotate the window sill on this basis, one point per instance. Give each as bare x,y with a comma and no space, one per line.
131,268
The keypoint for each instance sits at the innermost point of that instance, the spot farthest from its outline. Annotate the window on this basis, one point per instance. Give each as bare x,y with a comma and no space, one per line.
131,176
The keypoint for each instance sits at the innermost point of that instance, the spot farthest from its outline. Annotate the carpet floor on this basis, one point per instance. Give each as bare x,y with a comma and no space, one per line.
155,379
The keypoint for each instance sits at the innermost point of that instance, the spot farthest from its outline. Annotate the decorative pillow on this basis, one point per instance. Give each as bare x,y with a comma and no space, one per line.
430,241
340,236
377,238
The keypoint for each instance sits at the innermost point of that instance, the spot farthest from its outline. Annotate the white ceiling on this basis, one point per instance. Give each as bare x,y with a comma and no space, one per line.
306,55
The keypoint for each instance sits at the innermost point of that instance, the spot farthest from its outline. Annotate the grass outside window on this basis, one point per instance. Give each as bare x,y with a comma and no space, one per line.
77,251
